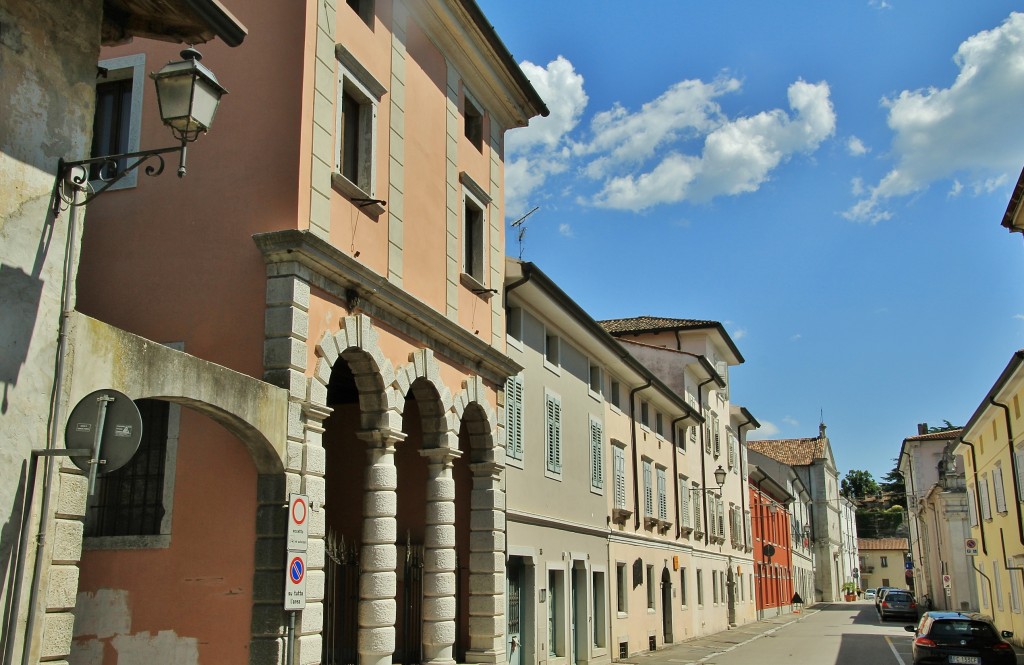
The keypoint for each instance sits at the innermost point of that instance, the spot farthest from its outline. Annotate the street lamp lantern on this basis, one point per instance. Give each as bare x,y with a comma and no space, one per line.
720,475
188,94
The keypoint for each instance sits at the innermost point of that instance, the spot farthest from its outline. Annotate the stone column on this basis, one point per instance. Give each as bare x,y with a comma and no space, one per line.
439,558
378,557
487,566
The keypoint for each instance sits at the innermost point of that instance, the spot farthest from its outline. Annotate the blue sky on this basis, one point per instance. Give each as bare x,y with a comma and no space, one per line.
824,178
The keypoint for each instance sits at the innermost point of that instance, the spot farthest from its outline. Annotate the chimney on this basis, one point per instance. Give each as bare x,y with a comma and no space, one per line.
922,428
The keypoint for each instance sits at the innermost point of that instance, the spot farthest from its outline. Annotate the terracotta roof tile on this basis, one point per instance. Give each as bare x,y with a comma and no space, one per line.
638,324
883,544
936,436
794,452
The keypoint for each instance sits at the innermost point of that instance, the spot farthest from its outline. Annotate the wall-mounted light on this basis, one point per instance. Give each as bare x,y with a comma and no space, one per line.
720,475
188,94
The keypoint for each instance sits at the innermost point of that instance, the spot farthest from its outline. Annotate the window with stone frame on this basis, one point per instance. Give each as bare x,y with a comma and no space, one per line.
117,120
359,95
136,499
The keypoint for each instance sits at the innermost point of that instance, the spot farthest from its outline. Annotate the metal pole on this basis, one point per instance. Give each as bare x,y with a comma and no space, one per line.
26,518
291,638
97,441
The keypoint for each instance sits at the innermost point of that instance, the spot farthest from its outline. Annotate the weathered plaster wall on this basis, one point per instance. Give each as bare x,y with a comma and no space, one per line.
48,55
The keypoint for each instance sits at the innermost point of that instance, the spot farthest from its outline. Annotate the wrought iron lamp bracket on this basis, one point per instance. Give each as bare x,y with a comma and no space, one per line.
75,175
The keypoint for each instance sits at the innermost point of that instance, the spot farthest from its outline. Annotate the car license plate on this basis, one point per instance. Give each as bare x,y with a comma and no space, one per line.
965,660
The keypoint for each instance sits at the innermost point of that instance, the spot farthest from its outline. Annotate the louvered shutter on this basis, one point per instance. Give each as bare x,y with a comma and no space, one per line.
1018,457
662,496
596,455
986,511
648,490
554,434
997,487
972,506
684,503
620,476
732,451
514,417
698,523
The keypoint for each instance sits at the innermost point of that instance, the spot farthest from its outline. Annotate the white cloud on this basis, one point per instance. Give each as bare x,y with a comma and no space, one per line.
765,431
565,230
791,421
739,334
1019,317
738,155
538,151
856,147
795,338
970,129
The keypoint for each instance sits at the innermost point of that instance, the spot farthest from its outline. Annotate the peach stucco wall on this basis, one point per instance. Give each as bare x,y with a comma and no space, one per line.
206,572
426,171
173,259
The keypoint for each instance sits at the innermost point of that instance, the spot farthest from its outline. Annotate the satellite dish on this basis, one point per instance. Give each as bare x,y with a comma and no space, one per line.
121,424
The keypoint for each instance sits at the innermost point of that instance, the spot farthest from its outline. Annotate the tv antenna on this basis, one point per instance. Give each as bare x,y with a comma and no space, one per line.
520,225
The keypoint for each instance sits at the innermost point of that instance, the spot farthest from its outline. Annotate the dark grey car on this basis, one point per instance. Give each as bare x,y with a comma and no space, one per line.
897,603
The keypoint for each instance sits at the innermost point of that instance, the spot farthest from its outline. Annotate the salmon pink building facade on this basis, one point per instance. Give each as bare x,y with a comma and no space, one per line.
773,546
341,240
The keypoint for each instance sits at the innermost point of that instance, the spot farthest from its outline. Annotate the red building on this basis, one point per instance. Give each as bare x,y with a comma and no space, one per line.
773,556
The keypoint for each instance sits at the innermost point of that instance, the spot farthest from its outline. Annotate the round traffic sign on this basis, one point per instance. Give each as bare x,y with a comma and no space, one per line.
122,429
971,543
299,511
296,570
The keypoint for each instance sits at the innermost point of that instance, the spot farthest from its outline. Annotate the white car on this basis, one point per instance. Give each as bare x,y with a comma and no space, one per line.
869,594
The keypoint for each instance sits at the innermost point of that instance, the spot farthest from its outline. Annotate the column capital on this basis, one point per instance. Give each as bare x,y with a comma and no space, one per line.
443,455
492,469
382,437
316,412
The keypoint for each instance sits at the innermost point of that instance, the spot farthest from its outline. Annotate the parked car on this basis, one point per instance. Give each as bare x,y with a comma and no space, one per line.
955,637
897,603
869,594
879,594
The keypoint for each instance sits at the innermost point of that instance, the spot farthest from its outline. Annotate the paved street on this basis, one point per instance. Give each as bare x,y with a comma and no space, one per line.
828,634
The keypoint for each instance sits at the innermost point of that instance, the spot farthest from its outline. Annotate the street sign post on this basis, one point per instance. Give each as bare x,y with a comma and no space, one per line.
971,546
298,525
295,582
947,581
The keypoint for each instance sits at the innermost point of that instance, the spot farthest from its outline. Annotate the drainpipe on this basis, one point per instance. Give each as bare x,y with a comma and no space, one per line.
909,476
977,495
632,430
55,430
675,472
527,275
703,467
1013,466
743,475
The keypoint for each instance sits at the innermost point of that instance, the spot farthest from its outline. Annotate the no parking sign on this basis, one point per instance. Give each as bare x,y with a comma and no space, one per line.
298,542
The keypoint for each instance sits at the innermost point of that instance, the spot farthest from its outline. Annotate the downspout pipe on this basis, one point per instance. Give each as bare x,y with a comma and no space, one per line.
675,471
977,495
743,477
632,432
527,275
1013,466
703,462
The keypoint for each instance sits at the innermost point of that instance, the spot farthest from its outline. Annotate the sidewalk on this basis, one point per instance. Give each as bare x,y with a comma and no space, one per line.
700,649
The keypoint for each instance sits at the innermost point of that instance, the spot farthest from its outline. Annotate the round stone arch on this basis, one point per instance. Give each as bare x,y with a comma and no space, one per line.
422,377
471,408
357,343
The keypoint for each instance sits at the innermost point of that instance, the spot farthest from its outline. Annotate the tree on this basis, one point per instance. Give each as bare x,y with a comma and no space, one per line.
893,483
859,484
946,426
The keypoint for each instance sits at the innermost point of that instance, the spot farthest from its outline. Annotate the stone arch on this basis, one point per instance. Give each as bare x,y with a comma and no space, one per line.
357,343
422,377
471,408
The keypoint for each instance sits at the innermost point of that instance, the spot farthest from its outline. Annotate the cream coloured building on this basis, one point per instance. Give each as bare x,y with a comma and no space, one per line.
992,447
692,546
937,507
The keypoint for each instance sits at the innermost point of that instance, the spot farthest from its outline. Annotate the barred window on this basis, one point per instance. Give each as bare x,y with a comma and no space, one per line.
130,501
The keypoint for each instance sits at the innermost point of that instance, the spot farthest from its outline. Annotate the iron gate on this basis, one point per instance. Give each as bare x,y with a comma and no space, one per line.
410,607
341,601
